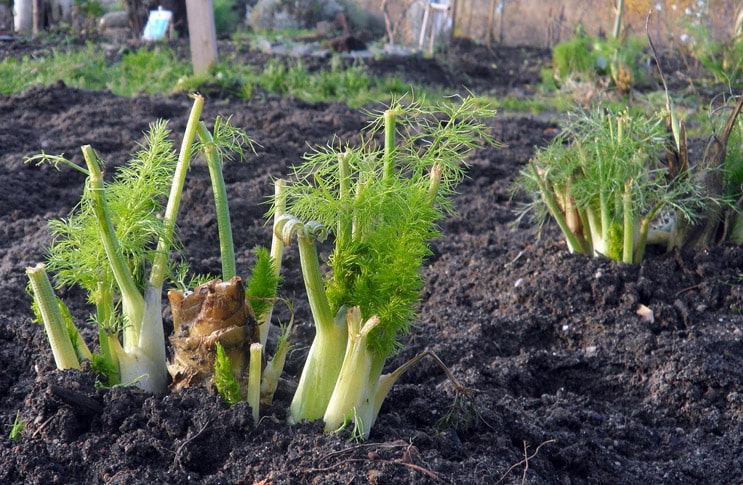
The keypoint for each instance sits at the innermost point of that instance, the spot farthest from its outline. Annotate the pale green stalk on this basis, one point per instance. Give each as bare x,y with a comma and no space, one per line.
345,224
159,266
618,18
357,380
277,253
105,318
629,225
326,353
254,380
603,202
390,118
54,323
574,243
214,162
132,301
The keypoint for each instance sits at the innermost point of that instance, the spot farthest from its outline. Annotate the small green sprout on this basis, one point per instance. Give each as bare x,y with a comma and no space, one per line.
16,430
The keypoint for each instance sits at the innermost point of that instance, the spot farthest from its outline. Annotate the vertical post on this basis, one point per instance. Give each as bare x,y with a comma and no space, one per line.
202,35
619,12
38,17
491,24
454,18
424,25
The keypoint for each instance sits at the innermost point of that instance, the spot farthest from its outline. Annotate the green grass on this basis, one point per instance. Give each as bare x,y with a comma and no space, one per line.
147,71
157,70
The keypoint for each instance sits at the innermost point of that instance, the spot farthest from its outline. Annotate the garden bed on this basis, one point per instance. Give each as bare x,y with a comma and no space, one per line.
571,385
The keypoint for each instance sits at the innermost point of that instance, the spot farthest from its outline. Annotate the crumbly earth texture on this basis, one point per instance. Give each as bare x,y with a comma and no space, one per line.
568,383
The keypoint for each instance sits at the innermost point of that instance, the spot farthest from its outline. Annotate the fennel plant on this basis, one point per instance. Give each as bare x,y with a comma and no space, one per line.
605,184
380,203
116,233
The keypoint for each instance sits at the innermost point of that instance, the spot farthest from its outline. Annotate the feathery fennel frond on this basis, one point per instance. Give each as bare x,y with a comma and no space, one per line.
262,284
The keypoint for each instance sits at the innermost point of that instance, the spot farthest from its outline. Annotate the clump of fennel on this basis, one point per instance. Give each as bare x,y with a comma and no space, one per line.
379,203
122,229
604,181
118,231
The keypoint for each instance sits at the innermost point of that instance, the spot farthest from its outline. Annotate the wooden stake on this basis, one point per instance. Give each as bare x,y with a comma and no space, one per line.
202,34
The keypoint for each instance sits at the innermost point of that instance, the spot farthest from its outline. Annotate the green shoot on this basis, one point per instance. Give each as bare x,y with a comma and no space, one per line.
49,310
225,140
225,381
254,380
381,205
16,430
274,368
262,285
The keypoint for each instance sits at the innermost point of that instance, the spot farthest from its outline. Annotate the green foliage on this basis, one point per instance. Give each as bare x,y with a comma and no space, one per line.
224,380
573,57
155,70
585,58
393,216
226,16
263,283
380,201
348,83
122,218
146,70
136,197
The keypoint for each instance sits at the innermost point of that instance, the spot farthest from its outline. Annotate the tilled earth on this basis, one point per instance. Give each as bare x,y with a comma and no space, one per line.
570,384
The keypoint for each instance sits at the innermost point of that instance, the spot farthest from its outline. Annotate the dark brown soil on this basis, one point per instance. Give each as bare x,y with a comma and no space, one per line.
571,385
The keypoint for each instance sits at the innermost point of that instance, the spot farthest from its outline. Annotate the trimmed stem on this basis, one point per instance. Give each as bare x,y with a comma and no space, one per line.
434,182
51,315
214,161
254,380
277,253
629,225
160,262
132,300
390,118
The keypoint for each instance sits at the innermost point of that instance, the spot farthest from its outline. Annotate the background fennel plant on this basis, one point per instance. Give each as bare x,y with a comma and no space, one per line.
605,182
379,203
